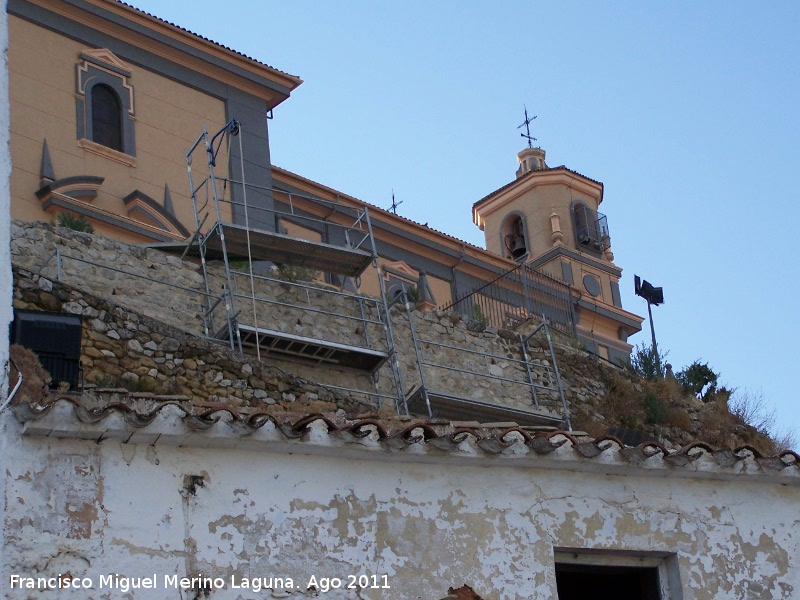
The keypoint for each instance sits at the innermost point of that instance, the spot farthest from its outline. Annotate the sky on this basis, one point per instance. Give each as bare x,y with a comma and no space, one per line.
686,111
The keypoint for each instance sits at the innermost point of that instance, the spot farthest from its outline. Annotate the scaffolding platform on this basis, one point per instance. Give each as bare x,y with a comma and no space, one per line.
351,254
287,345
285,249
455,408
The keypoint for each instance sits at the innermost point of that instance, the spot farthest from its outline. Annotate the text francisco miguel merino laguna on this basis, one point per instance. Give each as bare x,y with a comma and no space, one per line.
124,584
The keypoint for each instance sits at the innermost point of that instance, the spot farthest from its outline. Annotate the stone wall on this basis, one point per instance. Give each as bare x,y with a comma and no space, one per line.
115,304
172,290
142,289
123,348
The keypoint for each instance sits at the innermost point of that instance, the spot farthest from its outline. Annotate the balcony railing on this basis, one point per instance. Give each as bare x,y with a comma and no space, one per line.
591,228
516,295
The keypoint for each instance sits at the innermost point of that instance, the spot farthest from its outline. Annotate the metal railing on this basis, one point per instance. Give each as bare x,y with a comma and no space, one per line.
515,296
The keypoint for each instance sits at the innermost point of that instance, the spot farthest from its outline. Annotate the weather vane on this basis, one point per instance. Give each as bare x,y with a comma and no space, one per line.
394,205
527,125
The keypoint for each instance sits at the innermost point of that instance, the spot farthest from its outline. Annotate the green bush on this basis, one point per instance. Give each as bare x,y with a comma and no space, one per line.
74,222
698,379
477,314
647,362
655,410
295,273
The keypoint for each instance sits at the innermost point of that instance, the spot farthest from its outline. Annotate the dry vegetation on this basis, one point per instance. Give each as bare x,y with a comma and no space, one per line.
662,408
35,380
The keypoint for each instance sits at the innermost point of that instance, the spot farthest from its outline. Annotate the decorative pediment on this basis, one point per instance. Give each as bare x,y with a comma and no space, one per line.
103,67
400,268
104,55
146,218
143,208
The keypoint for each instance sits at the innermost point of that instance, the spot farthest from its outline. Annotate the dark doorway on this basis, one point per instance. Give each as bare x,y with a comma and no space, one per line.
577,582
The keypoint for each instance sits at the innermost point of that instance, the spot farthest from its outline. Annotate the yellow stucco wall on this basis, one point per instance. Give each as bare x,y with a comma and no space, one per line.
371,287
168,118
536,205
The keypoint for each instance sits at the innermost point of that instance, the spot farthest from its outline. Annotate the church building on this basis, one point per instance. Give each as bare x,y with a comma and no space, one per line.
106,100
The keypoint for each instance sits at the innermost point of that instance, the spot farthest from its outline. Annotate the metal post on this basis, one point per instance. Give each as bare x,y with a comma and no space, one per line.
383,307
558,375
652,329
418,354
523,271
526,357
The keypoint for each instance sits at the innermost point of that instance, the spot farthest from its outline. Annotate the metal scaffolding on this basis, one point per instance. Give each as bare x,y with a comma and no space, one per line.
243,236
537,379
267,314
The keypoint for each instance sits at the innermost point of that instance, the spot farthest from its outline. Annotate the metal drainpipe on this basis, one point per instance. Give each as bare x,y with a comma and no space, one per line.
13,392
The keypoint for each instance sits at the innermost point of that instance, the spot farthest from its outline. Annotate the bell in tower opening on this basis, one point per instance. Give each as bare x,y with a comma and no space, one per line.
515,237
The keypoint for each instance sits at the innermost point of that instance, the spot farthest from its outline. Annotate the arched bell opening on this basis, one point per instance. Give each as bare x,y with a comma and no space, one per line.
514,239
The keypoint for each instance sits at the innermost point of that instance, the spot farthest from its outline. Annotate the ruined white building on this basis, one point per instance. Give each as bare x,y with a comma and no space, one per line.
401,509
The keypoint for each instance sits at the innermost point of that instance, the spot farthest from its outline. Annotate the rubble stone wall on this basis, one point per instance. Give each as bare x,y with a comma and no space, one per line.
123,348
117,343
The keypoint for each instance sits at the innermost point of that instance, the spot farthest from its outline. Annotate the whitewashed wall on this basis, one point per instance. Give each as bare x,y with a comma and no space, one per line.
425,522
5,240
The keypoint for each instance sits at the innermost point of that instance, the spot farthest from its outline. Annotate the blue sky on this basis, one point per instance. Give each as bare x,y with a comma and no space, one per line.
687,112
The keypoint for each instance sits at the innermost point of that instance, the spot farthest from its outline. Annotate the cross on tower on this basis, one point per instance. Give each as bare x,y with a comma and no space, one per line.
394,205
527,126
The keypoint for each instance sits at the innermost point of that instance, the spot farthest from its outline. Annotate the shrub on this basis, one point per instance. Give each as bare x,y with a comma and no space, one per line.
698,379
294,273
655,410
678,417
477,314
35,380
648,362
74,222
751,409
784,440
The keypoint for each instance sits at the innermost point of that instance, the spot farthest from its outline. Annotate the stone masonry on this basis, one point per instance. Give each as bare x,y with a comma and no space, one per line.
141,332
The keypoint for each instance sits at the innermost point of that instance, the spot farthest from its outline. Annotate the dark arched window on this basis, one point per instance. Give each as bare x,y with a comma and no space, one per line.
106,117
583,218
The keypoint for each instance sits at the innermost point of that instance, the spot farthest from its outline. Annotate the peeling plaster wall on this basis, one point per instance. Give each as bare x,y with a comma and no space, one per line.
95,509
5,192
5,239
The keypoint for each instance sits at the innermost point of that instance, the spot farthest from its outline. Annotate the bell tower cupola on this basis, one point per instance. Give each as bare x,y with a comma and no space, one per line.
530,159
549,219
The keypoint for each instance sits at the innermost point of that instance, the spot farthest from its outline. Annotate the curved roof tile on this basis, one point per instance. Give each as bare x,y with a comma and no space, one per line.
205,39
169,417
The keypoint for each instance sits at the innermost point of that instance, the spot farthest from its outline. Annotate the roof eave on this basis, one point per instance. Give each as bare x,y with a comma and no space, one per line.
165,38
532,175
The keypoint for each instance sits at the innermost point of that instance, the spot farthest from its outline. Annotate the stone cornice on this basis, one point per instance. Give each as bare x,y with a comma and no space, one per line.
59,200
581,257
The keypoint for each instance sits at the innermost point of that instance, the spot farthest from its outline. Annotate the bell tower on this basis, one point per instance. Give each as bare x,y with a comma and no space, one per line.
548,218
